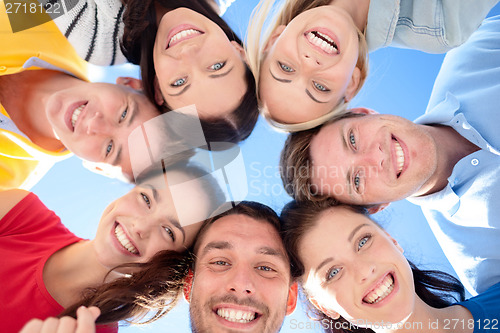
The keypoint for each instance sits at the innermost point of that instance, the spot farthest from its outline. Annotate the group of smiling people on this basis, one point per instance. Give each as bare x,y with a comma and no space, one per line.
239,264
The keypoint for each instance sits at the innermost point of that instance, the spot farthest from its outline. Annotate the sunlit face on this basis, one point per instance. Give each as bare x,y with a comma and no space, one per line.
355,269
310,65
373,159
145,221
241,272
94,121
196,63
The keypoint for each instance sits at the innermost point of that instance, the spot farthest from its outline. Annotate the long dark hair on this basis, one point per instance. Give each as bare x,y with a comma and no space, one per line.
435,288
140,19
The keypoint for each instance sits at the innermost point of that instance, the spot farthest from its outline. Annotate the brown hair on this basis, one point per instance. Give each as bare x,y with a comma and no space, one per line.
296,167
251,209
257,40
437,289
139,36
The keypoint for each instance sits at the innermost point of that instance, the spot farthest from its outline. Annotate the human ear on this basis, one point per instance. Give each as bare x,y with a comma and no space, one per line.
188,284
353,86
362,110
330,313
292,298
158,94
274,36
240,50
377,208
395,242
131,82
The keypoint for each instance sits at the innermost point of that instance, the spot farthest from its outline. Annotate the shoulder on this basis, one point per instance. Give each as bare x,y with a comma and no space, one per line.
10,198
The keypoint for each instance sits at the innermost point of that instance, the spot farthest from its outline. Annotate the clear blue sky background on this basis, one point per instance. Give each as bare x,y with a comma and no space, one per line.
400,82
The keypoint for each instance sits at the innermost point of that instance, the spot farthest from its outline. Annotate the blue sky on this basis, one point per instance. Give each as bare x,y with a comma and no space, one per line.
400,82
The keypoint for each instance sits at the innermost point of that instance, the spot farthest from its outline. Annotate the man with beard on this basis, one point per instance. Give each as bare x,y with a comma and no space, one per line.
241,276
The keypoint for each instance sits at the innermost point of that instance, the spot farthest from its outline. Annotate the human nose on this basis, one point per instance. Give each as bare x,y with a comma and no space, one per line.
364,271
241,282
310,60
96,124
373,157
143,226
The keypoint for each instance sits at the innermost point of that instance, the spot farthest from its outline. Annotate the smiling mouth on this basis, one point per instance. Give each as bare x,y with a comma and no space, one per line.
183,35
237,316
124,241
76,114
323,41
400,157
383,290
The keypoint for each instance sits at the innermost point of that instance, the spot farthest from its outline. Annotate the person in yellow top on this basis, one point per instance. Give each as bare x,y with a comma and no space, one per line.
48,108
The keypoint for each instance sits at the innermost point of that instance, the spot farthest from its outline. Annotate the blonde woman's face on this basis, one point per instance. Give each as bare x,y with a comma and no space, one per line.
310,65
355,269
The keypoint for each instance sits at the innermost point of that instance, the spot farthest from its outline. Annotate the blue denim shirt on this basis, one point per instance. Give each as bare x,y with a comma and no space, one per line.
465,215
432,26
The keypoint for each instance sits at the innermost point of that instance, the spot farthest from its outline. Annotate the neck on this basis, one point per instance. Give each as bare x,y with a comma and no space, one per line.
24,96
358,9
71,270
428,319
451,147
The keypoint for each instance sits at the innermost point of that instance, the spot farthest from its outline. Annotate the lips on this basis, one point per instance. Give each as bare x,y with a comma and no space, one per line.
181,33
236,317
398,157
381,291
124,240
323,40
73,113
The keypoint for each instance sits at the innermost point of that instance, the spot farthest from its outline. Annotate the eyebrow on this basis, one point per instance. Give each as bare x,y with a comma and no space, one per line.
220,245
266,250
278,79
314,98
349,170
182,91
216,76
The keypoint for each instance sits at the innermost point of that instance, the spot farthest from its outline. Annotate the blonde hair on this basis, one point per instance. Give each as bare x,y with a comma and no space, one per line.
258,37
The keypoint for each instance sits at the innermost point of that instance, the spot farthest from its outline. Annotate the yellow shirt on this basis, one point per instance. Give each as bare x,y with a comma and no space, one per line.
22,163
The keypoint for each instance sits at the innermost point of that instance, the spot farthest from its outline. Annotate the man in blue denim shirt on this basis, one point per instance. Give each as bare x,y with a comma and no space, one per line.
432,26
448,161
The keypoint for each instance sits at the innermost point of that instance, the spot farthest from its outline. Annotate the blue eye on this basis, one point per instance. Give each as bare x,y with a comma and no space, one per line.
124,115
109,148
218,66
179,82
146,199
363,241
221,263
332,273
352,139
265,268
320,87
356,182
286,68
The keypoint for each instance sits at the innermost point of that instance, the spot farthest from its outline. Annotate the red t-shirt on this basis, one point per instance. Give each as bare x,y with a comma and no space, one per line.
29,234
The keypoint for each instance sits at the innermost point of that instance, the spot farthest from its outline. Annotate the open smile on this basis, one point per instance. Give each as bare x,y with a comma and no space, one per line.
323,40
236,316
181,33
398,158
383,290
124,242
73,113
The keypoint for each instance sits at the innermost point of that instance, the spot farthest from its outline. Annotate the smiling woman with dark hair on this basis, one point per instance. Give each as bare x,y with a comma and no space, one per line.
187,54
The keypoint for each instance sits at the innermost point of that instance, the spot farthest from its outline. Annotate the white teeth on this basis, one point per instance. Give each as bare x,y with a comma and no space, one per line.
183,34
75,114
324,42
122,238
381,292
237,316
400,156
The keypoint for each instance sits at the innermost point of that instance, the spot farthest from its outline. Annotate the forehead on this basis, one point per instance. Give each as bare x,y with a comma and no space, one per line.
243,232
